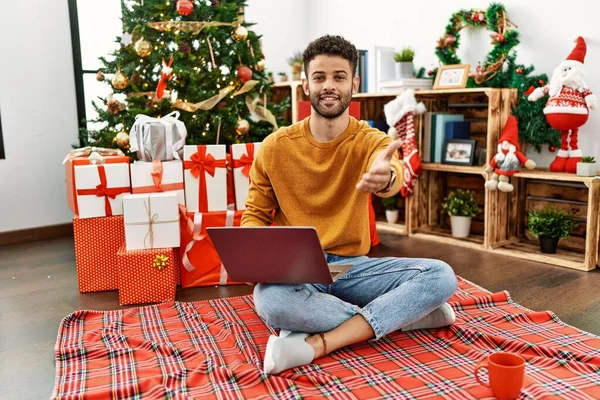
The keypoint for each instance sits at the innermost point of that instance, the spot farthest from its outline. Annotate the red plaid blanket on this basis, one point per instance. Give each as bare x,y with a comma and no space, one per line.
215,349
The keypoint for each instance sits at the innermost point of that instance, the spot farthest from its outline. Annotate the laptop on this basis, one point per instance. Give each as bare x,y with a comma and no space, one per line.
276,254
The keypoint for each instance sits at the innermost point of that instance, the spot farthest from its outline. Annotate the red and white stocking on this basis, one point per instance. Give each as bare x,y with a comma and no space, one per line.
410,153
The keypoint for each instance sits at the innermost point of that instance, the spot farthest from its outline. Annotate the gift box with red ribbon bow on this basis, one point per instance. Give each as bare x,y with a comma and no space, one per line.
242,158
157,177
100,189
205,176
80,157
200,263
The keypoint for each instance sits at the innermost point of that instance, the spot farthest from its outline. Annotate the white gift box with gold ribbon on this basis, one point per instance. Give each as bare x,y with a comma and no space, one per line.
151,220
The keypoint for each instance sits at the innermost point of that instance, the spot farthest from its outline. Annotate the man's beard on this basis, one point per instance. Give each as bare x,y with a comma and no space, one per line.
331,112
573,79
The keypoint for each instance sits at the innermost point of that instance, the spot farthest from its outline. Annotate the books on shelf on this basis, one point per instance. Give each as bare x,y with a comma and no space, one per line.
439,126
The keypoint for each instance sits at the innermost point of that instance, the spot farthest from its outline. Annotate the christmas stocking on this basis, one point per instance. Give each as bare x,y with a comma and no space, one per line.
410,153
399,115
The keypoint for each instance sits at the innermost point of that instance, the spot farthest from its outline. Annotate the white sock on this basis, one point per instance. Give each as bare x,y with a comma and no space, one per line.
442,316
288,350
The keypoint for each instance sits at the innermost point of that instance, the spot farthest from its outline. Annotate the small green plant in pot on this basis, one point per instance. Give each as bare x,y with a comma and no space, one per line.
404,63
549,225
391,208
587,167
461,207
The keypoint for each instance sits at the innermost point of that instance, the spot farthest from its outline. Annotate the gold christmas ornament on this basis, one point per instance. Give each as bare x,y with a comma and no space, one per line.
122,139
143,47
160,262
99,76
240,33
260,65
243,127
120,81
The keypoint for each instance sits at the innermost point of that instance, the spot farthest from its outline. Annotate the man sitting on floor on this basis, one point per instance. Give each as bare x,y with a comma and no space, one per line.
319,172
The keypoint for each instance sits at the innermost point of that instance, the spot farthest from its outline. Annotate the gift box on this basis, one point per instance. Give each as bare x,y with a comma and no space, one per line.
71,163
243,157
159,139
200,263
151,221
205,177
147,276
157,177
97,241
230,186
100,189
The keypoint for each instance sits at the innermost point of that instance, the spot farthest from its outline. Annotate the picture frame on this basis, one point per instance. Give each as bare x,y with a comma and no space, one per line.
459,151
452,76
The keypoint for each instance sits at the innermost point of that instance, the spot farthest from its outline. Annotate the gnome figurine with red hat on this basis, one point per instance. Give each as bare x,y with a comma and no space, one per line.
509,158
567,107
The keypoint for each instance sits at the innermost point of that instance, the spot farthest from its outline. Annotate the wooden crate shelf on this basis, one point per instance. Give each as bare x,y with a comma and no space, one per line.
474,170
442,235
397,228
530,250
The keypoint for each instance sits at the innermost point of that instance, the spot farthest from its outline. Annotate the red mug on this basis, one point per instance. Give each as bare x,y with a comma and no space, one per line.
505,373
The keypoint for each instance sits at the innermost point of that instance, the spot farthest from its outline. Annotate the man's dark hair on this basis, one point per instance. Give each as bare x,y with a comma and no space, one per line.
331,45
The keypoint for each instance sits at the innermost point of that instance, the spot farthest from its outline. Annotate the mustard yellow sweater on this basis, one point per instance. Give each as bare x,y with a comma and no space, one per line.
312,183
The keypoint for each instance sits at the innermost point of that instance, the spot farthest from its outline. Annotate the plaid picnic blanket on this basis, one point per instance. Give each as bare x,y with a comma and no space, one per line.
215,348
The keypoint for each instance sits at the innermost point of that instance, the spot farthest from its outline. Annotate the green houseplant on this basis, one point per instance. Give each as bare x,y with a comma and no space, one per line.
404,63
549,225
587,167
295,62
283,77
461,207
391,208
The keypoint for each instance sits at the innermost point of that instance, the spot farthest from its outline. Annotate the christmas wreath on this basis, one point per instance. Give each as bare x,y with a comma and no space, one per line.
504,39
500,69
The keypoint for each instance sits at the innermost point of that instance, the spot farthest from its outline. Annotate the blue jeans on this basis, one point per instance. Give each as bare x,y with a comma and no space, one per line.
390,293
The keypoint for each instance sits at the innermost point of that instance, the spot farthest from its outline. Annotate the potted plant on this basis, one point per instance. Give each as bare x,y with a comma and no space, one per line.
296,63
404,63
282,76
587,167
461,207
391,208
549,225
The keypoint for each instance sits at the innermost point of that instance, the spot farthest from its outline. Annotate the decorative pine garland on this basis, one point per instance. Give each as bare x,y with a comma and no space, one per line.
500,69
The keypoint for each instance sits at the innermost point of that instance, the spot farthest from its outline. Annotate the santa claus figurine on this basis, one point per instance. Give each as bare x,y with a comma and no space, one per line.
509,158
567,106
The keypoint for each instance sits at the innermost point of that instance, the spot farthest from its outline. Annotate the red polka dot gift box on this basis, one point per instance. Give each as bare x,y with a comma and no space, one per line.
97,241
147,276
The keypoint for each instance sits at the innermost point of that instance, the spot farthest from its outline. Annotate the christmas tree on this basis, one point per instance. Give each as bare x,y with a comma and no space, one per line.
197,57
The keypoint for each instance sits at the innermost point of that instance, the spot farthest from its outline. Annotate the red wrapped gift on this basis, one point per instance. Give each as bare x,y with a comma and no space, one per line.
70,164
147,276
200,264
97,241
230,187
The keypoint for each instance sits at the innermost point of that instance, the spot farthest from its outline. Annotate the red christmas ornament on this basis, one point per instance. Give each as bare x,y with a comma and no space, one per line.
185,7
552,148
164,78
529,91
519,70
541,82
430,72
244,73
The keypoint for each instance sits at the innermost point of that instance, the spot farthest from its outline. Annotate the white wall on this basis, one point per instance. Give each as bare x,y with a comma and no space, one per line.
547,30
283,24
37,99
39,112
